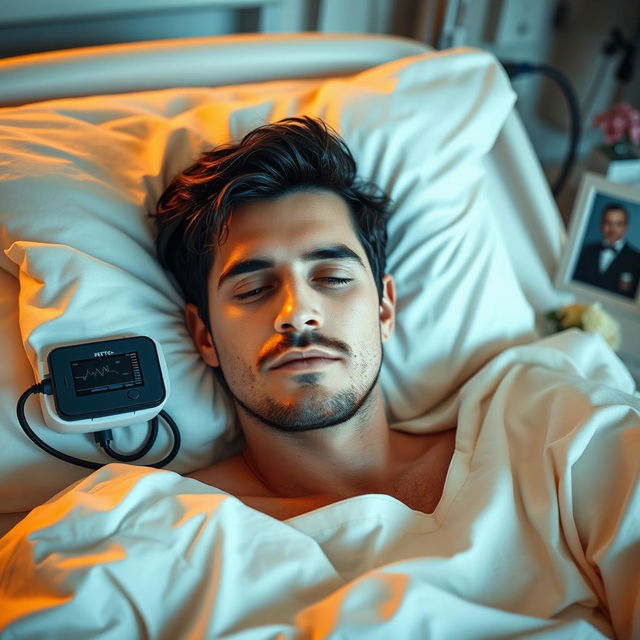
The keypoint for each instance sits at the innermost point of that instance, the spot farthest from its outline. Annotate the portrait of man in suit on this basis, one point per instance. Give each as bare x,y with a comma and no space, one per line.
613,263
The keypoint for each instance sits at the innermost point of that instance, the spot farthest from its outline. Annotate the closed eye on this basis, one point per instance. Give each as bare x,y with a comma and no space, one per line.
253,293
334,281
328,282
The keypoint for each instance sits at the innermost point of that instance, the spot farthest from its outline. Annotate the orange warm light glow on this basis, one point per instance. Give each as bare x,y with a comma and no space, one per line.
15,609
31,294
31,593
113,553
36,569
396,585
370,600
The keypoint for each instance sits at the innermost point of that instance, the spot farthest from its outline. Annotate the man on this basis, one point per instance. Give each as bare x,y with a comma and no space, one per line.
517,518
283,271
612,264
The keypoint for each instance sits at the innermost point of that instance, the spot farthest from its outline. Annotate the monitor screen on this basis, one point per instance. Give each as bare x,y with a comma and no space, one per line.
95,375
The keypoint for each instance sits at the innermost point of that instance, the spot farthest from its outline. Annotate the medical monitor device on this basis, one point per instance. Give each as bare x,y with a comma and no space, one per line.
105,384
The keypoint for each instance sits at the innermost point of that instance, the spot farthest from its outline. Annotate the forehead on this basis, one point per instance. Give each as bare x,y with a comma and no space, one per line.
287,227
614,215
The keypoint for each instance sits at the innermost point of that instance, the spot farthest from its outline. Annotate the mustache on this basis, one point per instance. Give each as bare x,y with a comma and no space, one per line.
301,340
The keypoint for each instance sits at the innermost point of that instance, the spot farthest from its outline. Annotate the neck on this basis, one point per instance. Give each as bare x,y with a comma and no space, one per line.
340,460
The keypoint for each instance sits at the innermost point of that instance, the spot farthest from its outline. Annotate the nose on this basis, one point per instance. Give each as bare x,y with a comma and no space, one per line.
298,311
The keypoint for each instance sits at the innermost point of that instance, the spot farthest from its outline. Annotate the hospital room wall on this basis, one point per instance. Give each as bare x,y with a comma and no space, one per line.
568,34
41,25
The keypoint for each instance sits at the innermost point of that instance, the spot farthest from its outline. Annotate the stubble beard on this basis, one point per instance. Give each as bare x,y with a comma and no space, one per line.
317,411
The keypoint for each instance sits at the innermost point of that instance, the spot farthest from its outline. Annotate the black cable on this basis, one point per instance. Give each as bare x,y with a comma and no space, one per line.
517,68
38,388
176,441
102,437
626,67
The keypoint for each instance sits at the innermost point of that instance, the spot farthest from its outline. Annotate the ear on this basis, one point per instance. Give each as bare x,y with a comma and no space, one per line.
201,335
387,307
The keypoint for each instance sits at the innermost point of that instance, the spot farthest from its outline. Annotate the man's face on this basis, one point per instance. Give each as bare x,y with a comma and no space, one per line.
296,321
614,225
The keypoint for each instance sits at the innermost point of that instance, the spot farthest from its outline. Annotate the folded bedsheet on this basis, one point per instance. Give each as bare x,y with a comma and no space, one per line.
537,534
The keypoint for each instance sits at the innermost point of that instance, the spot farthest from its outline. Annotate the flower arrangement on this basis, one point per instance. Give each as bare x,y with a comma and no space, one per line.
592,318
620,126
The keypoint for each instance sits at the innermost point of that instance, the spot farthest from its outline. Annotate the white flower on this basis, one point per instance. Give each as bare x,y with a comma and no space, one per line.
597,320
588,318
571,315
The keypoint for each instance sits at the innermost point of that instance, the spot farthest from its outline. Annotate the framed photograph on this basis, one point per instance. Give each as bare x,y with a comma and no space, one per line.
601,260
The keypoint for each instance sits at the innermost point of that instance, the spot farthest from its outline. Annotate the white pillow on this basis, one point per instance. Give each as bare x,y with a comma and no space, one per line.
81,175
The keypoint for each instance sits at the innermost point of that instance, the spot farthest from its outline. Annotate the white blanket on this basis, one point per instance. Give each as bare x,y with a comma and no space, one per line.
537,534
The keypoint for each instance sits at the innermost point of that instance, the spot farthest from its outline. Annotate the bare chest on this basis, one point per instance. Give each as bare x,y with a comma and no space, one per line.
419,488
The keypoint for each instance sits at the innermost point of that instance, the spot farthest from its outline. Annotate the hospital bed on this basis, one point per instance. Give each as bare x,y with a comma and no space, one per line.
89,138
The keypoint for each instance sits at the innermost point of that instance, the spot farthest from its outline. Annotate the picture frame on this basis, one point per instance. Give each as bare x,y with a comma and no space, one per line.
601,258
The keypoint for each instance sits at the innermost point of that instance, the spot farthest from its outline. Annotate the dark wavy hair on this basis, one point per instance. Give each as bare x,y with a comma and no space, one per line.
293,154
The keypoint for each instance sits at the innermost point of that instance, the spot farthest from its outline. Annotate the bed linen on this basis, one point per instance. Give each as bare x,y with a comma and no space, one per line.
537,533
80,175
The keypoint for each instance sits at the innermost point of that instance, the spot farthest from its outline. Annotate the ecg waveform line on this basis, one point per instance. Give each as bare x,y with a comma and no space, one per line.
99,371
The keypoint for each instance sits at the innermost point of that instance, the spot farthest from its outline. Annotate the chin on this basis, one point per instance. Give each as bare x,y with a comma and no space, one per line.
323,410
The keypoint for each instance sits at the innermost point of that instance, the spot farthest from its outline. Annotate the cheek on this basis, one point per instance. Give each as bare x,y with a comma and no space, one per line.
358,320
240,336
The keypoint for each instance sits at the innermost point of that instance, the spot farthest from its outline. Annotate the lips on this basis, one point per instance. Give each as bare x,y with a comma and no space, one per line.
301,357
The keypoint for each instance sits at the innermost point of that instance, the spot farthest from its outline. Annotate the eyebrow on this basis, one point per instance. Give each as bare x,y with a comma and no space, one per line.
333,252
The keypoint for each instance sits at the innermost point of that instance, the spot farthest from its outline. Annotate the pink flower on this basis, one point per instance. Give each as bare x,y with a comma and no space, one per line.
620,122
